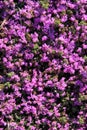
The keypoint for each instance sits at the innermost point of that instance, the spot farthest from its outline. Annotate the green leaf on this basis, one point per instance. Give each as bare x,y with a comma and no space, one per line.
44,3
60,54
57,21
69,12
63,12
82,97
83,23
36,47
81,120
65,61
10,74
53,52
63,120
7,84
17,117
85,58
14,60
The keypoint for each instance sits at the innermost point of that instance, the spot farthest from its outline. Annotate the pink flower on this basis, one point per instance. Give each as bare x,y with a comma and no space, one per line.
34,37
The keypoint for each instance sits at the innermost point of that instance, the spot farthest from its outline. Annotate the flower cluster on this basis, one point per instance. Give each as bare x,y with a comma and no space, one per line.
43,64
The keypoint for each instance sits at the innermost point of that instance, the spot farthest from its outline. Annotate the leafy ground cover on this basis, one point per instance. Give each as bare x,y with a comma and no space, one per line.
43,64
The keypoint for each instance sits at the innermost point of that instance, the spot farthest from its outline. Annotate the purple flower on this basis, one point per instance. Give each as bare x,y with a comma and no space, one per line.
34,37
2,96
44,38
43,64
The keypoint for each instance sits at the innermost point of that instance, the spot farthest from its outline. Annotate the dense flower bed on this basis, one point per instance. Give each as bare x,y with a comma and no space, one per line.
43,64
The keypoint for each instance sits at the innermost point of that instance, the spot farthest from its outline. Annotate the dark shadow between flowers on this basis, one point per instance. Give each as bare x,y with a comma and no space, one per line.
72,110
43,66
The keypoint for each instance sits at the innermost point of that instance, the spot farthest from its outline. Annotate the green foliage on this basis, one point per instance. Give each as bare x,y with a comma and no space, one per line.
17,117
81,120
63,12
83,23
57,21
65,61
60,54
85,58
63,120
10,74
36,48
7,84
82,97
69,12
44,3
